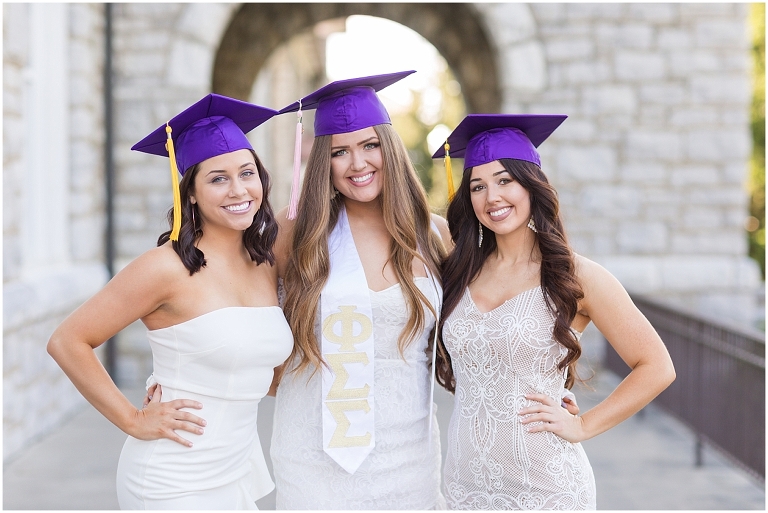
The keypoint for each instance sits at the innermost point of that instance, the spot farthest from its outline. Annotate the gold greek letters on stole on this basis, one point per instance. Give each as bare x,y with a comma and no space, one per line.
341,399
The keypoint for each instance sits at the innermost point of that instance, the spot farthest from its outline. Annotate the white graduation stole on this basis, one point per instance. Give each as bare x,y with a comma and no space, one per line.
347,347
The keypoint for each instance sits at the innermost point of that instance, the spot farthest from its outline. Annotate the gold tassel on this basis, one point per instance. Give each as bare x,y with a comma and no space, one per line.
449,172
174,185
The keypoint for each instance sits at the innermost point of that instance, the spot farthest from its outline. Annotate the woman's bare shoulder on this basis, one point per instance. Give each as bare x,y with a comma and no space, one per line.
442,227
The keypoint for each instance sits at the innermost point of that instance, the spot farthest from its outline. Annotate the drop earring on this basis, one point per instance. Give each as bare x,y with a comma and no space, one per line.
480,236
532,225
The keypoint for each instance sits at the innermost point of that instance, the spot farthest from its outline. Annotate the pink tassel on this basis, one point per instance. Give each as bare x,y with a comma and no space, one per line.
294,203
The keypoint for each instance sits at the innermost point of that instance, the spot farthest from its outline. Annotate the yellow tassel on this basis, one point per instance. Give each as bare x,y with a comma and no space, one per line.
174,185
449,172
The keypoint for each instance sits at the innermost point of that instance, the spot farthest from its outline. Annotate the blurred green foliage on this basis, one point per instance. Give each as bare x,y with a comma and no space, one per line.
756,223
415,125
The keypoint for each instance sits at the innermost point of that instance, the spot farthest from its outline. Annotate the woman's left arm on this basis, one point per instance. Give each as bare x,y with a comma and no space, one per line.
608,305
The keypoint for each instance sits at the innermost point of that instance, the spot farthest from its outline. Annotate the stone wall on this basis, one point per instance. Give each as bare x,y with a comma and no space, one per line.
53,213
650,165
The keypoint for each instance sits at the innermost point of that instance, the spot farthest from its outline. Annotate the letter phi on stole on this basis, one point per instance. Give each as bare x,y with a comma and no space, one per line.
348,429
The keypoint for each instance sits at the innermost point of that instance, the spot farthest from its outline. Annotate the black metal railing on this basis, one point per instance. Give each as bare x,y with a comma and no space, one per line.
719,391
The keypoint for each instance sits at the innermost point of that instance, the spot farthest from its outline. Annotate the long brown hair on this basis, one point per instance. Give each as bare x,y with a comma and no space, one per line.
258,239
561,289
406,216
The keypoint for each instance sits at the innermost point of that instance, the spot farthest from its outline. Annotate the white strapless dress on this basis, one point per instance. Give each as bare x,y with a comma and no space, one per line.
403,469
224,359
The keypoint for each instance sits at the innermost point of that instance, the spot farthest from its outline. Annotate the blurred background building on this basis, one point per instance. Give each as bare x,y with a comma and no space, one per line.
654,166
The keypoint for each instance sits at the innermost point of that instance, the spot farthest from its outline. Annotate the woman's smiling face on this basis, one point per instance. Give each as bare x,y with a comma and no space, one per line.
228,190
499,201
356,165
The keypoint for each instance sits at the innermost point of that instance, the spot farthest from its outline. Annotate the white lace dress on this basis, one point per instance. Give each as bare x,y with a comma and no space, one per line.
492,461
402,471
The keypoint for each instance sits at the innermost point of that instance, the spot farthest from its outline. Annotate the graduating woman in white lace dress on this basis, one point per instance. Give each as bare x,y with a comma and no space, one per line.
360,262
208,297
516,301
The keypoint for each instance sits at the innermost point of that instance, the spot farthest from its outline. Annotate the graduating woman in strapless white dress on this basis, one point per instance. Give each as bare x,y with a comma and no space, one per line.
516,301
208,296
354,425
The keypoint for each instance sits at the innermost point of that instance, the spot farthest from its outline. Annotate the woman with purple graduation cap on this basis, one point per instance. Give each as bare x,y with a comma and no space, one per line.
517,299
354,425
208,297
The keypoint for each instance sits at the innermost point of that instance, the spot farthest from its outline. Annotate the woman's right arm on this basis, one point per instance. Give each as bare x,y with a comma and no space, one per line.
135,292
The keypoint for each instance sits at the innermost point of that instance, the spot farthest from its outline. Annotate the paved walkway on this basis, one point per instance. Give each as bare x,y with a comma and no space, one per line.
644,463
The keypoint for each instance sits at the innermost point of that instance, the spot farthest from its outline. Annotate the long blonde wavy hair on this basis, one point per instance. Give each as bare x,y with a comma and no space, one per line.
406,216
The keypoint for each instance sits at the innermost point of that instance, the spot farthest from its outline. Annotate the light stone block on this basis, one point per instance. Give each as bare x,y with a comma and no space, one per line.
700,10
748,275
85,57
682,176
664,94
626,35
739,118
49,290
87,241
731,88
586,163
713,242
737,308
569,49
634,237
81,123
639,66
131,245
658,13
15,32
575,130
717,146
641,275
673,38
546,13
153,63
653,145
723,33
206,22
735,173
190,66
702,218
701,115
598,11
508,23
587,73
615,202
13,136
608,99
525,67
696,273
723,196
644,173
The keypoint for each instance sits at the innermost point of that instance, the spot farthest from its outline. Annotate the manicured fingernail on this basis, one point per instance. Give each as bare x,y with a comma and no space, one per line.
200,431
204,423
199,405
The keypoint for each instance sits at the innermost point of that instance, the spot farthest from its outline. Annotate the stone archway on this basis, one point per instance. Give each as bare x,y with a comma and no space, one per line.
257,29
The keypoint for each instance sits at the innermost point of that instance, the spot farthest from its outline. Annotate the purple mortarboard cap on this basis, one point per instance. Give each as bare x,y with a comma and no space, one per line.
483,138
213,126
348,105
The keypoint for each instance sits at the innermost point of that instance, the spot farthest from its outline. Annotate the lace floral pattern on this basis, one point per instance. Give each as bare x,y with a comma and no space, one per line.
493,462
402,471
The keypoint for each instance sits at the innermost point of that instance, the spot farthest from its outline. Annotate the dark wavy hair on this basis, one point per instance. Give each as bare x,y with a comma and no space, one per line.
258,239
561,289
